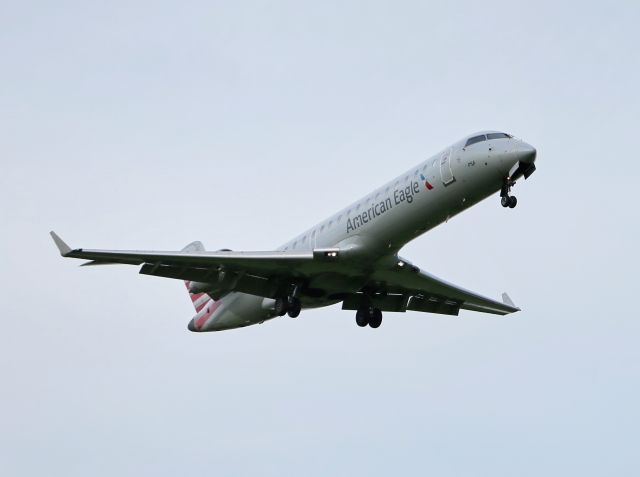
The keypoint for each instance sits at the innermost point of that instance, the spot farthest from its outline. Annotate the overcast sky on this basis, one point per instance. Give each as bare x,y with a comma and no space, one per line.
151,124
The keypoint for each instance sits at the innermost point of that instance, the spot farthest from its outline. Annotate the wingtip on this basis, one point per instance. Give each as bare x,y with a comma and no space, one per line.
509,302
62,246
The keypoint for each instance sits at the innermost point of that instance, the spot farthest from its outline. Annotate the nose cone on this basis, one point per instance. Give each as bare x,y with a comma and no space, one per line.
191,326
526,153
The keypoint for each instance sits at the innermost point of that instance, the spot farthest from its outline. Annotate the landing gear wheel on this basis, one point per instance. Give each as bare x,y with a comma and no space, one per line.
375,320
280,308
507,200
294,307
362,317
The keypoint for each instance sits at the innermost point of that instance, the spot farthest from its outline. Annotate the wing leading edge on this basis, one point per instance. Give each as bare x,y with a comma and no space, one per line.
423,291
198,265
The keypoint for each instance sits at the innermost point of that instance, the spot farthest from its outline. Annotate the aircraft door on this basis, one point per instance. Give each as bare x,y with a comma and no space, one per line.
445,168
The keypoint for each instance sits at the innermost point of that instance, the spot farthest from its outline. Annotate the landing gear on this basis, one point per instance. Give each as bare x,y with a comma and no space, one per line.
280,307
289,305
375,320
362,317
507,200
369,316
294,307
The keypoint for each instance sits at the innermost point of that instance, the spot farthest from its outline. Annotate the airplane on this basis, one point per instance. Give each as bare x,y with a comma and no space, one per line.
351,257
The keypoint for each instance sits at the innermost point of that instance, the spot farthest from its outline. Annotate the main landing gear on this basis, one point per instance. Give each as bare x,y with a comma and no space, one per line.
369,316
505,199
289,305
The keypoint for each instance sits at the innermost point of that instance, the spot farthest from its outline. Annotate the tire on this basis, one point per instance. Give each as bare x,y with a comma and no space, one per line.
294,308
512,202
294,313
362,319
376,319
504,200
280,307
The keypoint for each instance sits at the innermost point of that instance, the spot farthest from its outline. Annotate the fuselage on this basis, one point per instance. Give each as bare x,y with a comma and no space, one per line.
378,225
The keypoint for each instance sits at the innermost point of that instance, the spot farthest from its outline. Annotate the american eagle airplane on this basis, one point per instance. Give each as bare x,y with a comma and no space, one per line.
351,257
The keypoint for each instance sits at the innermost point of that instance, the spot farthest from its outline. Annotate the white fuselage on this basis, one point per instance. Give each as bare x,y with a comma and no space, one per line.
382,222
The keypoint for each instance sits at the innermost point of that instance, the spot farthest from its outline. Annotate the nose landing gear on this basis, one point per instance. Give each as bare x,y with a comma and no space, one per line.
509,201
505,199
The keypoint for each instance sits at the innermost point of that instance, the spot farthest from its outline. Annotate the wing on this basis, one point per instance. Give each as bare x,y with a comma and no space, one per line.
391,288
258,273
406,287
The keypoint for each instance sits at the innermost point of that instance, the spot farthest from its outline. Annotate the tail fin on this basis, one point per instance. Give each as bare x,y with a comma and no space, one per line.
205,305
199,300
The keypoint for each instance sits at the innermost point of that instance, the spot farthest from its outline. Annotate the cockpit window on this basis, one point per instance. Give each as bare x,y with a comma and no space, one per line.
475,139
498,136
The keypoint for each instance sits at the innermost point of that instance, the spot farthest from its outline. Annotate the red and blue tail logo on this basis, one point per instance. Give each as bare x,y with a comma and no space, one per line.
205,305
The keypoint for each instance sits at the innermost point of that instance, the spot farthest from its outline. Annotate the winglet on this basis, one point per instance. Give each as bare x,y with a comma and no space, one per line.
508,301
62,246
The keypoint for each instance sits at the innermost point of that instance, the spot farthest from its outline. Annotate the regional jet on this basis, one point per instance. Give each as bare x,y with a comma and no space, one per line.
351,257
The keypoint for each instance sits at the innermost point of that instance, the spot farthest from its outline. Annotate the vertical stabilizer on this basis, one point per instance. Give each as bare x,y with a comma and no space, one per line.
205,305
199,300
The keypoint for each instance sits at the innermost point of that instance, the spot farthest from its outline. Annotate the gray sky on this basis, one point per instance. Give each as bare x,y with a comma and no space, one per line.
152,124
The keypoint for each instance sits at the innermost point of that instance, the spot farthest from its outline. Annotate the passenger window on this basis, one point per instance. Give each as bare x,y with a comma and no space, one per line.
475,139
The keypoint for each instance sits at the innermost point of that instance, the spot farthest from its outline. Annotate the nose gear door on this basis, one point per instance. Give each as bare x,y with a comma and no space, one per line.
445,168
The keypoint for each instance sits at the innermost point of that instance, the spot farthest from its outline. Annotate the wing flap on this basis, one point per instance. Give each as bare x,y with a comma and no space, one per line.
245,283
400,303
387,302
434,306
